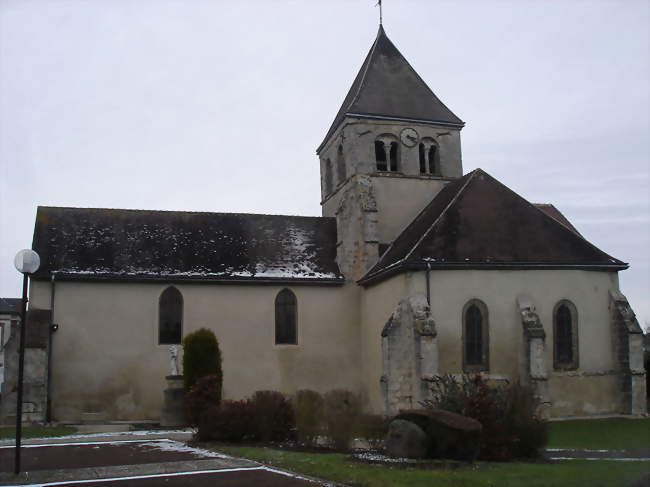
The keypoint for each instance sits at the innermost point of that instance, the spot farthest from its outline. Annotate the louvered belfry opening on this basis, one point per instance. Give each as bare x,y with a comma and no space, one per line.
380,156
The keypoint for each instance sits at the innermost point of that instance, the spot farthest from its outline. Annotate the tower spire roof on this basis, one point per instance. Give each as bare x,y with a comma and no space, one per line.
388,87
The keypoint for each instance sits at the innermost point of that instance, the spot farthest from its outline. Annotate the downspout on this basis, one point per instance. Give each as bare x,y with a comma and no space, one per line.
51,329
429,284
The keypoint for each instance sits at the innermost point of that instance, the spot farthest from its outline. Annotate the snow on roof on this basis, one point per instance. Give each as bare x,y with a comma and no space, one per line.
140,244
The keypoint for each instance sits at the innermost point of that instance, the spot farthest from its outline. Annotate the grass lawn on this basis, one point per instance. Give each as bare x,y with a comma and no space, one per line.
339,468
611,434
592,434
37,432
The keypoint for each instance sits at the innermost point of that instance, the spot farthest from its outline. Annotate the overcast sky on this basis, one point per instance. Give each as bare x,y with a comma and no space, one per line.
219,106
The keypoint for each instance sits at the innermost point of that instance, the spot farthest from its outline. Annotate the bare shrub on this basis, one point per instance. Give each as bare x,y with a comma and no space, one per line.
308,408
273,417
341,410
511,427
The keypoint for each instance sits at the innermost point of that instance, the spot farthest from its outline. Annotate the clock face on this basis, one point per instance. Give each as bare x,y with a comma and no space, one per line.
409,137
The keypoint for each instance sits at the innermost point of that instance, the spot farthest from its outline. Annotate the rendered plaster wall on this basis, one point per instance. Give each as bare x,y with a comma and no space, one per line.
377,305
588,390
107,363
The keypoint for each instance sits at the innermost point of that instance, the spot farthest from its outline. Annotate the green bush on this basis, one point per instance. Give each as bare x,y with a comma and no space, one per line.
272,416
511,428
201,357
308,408
341,411
204,394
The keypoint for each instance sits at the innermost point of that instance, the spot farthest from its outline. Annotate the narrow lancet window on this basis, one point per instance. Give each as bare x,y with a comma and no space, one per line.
565,336
170,317
285,318
475,337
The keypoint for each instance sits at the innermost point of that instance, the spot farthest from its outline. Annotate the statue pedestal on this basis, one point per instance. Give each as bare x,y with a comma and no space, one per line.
173,412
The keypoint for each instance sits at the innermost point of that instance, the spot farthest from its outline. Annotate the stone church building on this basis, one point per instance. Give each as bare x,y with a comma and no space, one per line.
414,269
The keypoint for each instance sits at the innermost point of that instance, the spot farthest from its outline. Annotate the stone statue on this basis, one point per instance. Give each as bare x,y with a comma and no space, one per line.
173,359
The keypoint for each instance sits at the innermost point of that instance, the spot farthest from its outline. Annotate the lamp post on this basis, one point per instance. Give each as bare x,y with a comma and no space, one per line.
27,262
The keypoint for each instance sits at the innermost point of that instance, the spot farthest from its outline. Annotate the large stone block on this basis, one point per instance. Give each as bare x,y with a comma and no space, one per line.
450,435
407,440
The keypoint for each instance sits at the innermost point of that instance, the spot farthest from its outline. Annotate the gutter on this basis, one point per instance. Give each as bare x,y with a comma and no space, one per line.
417,266
71,276
429,284
51,329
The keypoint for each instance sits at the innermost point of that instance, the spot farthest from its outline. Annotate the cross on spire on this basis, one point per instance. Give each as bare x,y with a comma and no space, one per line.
380,12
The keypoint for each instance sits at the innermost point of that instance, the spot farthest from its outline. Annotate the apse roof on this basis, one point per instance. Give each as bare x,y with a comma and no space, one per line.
477,222
97,243
388,87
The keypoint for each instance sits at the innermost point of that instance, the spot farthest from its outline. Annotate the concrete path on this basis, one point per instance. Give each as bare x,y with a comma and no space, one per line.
124,459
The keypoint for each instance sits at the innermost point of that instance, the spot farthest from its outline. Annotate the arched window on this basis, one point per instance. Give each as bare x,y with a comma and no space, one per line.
434,162
476,339
386,153
565,336
285,318
429,157
393,156
328,177
423,159
340,165
380,156
170,317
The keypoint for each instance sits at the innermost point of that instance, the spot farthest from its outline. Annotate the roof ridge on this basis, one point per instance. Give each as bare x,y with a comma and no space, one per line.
426,85
192,212
365,66
405,229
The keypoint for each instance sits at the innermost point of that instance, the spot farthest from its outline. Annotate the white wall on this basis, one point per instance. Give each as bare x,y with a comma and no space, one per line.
591,389
106,358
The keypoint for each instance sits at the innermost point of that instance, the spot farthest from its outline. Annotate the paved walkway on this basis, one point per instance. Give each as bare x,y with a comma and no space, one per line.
138,459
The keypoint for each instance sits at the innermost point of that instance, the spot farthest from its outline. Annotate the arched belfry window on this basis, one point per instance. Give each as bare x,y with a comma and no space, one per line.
429,157
386,153
328,177
340,165
476,337
286,311
170,317
565,336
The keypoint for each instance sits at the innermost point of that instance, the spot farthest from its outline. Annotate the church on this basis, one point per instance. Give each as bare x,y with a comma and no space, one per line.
414,269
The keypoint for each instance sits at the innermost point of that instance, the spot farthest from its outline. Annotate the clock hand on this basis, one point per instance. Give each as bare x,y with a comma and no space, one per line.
411,137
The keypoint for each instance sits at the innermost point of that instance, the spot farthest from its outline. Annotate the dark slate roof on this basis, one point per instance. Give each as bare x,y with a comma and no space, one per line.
553,212
388,87
10,306
477,222
175,245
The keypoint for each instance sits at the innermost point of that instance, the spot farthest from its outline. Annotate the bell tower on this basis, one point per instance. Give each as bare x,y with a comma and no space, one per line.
392,147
